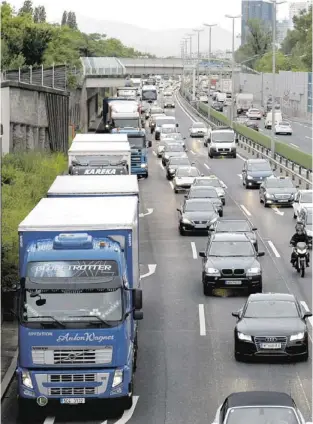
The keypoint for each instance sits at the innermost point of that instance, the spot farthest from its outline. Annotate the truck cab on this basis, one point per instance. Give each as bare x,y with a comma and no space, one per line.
79,302
121,113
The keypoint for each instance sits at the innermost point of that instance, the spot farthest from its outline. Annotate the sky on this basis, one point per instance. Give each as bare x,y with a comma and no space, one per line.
163,14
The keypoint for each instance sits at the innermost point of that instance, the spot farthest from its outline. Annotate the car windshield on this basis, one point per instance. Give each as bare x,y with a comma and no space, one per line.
126,122
233,226
207,182
187,172
179,161
284,124
174,148
254,110
98,160
307,197
203,192
231,249
261,166
279,183
271,309
225,137
156,111
168,130
198,125
262,415
195,206
161,121
174,136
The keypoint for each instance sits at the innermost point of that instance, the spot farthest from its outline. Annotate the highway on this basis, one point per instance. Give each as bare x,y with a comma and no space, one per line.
301,138
185,363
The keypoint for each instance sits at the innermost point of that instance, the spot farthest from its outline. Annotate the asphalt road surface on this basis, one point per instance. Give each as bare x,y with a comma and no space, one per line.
182,375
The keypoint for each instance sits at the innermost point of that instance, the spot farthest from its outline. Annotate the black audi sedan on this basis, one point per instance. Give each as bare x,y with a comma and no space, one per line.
242,226
277,191
271,324
255,171
230,261
196,216
198,192
173,163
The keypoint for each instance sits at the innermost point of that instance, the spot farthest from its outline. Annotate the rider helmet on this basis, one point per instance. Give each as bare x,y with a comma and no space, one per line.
299,228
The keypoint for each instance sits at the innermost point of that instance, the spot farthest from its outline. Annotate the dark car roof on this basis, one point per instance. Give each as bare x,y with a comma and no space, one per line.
230,237
258,398
272,296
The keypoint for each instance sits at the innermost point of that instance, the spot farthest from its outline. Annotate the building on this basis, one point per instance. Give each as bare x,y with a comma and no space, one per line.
282,29
255,9
296,7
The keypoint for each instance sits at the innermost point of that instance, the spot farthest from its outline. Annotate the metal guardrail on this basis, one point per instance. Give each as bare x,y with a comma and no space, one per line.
303,177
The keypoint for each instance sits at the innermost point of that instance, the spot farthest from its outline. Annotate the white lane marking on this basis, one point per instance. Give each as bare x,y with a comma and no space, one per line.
310,138
171,184
161,165
184,109
294,145
202,320
154,152
191,151
207,166
194,250
152,268
278,212
240,157
127,414
245,210
240,176
307,309
223,184
149,212
49,420
275,251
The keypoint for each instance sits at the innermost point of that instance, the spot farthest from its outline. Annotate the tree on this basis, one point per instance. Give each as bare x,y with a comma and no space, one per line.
26,8
39,14
35,42
71,20
64,18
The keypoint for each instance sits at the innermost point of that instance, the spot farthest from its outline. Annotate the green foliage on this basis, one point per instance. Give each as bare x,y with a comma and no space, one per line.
283,63
26,39
25,179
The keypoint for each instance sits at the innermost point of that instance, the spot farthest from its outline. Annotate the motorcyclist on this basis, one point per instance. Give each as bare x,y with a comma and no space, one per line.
300,236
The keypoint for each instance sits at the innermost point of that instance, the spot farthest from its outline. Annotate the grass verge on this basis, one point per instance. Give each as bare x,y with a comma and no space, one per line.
25,179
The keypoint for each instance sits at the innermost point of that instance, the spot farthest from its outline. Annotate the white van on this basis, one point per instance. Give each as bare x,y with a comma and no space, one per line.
268,119
221,97
222,143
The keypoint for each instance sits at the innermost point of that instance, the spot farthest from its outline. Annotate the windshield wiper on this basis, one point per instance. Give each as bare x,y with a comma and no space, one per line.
51,317
93,316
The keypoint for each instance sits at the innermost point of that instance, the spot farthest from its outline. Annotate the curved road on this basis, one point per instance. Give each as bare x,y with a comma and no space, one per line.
183,376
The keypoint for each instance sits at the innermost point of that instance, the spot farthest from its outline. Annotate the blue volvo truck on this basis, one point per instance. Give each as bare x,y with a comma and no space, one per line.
79,301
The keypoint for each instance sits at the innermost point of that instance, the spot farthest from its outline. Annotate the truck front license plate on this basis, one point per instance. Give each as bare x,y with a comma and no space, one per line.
72,401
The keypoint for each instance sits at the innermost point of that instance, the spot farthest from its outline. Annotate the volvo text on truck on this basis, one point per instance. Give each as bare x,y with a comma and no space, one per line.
79,302
96,158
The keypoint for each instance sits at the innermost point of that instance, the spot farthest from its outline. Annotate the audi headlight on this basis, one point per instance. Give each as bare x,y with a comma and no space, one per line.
253,271
212,271
26,380
118,378
186,221
245,337
269,196
298,336
143,165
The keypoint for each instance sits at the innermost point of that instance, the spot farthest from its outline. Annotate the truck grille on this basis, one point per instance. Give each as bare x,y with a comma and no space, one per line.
72,355
72,378
72,391
135,159
233,272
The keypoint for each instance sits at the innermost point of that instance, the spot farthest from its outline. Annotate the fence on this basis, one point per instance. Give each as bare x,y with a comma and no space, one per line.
54,77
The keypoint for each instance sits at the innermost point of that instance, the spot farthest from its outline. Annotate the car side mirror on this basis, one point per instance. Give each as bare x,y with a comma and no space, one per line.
254,228
307,314
138,315
261,254
236,314
202,254
137,299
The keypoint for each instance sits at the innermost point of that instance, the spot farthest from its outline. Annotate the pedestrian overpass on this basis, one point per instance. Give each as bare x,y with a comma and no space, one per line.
106,72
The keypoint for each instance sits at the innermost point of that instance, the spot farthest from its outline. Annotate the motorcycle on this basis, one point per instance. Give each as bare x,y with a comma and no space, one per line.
301,251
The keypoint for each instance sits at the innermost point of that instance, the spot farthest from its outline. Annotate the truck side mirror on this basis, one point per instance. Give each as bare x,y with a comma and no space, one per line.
137,299
138,315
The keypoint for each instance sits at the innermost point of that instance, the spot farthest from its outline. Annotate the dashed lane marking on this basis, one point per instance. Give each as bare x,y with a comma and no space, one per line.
191,151
245,210
278,212
223,184
207,166
202,320
194,250
171,184
240,176
310,138
294,145
153,152
240,157
161,165
275,251
49,420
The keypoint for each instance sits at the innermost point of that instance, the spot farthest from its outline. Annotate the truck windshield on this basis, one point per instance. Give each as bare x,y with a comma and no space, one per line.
149,95
137,142
73,305
99,160
222,137
126,122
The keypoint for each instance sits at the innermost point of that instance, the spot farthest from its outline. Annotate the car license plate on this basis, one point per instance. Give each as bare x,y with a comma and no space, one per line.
200,226
72,401
270,345
281,201
233,283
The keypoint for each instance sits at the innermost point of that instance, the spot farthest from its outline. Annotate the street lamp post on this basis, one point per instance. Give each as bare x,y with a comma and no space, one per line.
210,26
275,3
233,17
198,55
190,45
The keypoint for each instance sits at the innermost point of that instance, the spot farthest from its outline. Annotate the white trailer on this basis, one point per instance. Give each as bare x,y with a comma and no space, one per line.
92,137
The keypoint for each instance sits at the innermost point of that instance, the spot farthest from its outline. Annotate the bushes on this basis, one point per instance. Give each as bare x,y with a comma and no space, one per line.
25,179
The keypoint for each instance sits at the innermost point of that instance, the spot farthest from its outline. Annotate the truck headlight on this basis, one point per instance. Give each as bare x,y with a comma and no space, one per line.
26,380
298,336
245,337
249,177
212,271
253,271
143,165
118,378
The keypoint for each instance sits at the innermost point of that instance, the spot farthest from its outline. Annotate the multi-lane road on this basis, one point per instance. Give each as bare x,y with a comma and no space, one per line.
186,365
